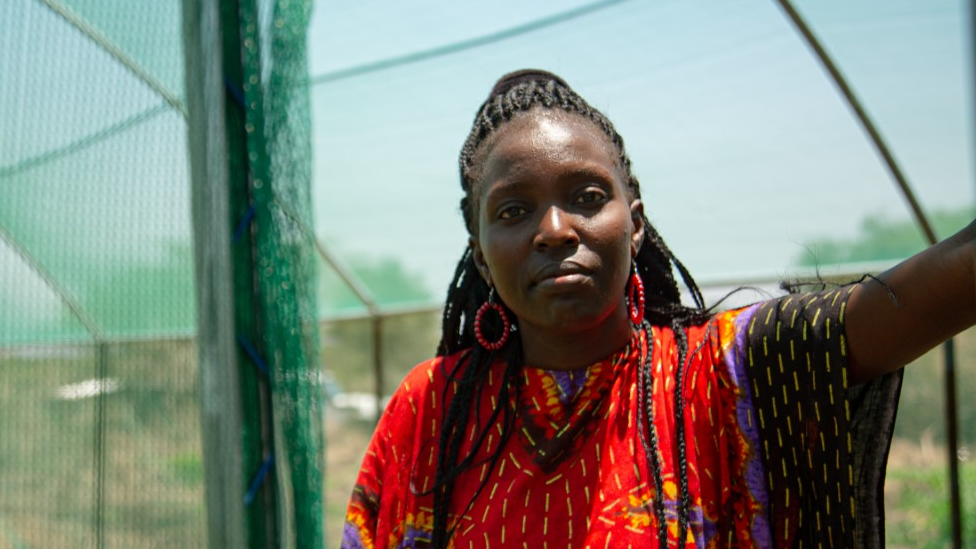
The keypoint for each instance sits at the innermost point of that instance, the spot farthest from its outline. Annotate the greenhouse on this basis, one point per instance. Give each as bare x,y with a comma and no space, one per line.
227,227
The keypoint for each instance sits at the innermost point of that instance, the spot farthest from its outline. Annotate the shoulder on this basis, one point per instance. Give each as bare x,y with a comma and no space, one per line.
434,372
424,385
414,402
758,333
806,316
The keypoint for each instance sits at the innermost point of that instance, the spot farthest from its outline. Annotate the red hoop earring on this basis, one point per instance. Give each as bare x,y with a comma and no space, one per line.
635,298
506,324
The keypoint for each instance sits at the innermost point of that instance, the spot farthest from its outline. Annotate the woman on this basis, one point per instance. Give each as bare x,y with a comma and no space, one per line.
575,402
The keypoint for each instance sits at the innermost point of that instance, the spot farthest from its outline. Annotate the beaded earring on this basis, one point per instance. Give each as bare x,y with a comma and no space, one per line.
635,298
506,324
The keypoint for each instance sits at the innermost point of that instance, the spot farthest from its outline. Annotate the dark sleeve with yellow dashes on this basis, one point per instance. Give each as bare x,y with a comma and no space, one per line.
824,444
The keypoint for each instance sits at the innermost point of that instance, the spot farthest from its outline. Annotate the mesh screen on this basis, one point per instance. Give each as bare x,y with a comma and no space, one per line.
100,403
99,397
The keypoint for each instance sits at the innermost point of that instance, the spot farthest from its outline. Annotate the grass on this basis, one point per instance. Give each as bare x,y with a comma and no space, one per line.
153,480
917,498
152,490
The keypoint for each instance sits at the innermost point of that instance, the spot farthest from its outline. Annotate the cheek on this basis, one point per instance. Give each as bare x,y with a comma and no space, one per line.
613,234
497,255
614,243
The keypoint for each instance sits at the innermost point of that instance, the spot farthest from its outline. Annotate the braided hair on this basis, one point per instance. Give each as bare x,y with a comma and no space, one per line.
514,94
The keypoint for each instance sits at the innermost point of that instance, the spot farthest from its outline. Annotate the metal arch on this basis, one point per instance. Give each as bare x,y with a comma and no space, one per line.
101,365
76,309
116,52
951,409
455,47
82,143
862,117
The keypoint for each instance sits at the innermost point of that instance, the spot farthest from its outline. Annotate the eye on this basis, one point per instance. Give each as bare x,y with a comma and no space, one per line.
591,196
510,212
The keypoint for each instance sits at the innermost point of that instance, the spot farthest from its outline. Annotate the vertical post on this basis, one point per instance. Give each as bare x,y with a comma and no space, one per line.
258,344
952,442
247,176
277,154
378,361
101,359
957,526
221,419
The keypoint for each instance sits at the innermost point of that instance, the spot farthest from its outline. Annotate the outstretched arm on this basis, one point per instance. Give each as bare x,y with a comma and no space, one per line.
936,299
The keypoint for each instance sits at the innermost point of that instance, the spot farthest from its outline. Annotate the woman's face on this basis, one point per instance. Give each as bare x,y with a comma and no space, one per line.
556,227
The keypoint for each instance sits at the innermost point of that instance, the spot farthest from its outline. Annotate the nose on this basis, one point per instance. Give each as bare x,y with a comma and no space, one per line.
556,229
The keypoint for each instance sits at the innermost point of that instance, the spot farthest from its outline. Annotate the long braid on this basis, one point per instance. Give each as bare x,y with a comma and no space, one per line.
664,308
466,293
681,339
514,94
449,445
645,396
468,389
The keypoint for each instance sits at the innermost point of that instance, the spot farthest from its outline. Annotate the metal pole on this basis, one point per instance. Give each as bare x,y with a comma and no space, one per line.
221,420
862,117
923,223
952,442
378,362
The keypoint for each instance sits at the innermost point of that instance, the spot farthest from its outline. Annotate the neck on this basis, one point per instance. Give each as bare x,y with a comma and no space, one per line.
553,349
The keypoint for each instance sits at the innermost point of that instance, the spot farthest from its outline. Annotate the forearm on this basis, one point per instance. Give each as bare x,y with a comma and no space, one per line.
934,299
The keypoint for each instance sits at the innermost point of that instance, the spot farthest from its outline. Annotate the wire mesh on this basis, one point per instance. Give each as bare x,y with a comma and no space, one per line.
99,391
100,396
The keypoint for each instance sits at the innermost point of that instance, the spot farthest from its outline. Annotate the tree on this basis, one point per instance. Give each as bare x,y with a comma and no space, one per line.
883,238
347,345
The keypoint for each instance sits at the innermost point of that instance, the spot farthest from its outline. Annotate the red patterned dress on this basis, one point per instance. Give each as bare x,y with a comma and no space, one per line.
780,451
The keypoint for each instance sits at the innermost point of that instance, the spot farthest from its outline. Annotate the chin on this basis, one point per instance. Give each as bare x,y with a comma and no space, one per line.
576,319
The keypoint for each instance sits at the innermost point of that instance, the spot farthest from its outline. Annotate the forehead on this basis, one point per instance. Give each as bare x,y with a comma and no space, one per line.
546,135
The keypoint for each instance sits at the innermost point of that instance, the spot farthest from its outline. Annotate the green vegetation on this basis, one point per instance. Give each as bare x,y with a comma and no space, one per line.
145,299
386,280
188,468
916,489
882,237
921,413
918,514
348,346
144,427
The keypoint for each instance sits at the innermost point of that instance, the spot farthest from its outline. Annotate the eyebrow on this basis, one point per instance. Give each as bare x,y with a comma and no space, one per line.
590,172
595,173
507,185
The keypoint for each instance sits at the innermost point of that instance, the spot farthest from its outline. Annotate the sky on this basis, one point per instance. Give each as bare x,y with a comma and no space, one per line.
744,148
93,166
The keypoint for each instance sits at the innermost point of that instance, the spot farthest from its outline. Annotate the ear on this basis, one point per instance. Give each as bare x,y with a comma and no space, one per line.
637,218
479,260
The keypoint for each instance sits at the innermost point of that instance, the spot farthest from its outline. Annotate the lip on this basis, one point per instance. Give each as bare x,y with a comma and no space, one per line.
560,273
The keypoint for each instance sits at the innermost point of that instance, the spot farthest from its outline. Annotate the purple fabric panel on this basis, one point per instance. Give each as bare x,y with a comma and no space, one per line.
736,360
